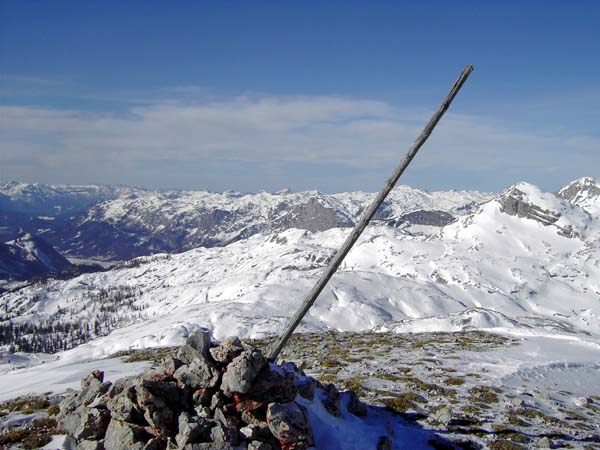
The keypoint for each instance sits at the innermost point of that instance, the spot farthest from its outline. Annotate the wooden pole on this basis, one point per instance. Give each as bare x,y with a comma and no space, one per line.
366,217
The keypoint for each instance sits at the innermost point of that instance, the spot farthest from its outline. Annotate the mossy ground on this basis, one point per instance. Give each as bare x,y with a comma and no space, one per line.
419,373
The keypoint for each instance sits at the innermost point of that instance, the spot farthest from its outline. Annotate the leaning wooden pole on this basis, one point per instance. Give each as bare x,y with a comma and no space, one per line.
366,217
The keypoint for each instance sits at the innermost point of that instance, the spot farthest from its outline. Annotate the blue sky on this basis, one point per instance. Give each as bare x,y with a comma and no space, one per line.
310,95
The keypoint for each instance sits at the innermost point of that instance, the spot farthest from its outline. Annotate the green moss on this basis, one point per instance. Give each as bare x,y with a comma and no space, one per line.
504,445
26,405
454,381
483,394
354,384
53,410
149,354
34,436
404,401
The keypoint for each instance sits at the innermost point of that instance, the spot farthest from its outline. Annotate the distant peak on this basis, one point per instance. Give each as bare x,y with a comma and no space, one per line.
581,190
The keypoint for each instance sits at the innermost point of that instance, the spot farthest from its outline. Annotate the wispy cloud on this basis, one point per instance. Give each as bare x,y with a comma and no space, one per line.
334,135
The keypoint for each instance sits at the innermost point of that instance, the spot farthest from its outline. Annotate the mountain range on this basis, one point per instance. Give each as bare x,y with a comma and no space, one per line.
120,223
523,259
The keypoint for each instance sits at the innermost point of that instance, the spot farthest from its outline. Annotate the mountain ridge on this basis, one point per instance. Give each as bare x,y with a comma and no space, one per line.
490,268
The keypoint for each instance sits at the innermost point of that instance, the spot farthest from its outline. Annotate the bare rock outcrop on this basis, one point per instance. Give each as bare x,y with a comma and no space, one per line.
225,396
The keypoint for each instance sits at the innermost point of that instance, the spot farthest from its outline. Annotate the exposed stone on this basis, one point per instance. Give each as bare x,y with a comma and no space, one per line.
190,430
217,401
250,432
124,407
93,424
122,436
229,349
70,403
255,416
199,374
170,364
306,388
384,443
71,421
226,416
203,397
156,444
187,354
90,386
355,406
221,433
443,416
159,416
242,371
257,445
273,386
331,399
289,424
88,445
200,341
543,442
172,395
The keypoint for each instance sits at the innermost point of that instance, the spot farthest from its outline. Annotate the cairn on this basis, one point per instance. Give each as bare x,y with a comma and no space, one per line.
209,396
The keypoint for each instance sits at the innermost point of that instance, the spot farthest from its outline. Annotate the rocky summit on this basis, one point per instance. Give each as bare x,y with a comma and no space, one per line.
209,396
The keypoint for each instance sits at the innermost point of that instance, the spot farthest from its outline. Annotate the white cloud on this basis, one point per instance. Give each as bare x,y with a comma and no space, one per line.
354,133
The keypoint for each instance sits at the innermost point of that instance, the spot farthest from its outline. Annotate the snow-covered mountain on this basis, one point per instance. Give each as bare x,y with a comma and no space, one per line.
29,256
37,198
526,259
132,222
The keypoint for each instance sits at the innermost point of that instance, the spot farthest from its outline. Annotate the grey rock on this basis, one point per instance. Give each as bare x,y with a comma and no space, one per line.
424,217
120,385
89,445
443,416
213,446
203,397
257,445
92,386
190,430
224,434
330,397
273,386
306,388
200,341
355,406
124,407
93,424
384,443
242,371
71,421
217,401
155,444
312,216
256,417
167,391
187,354
69,403
169,364
543,442
199,374
226,418
203,412
516,401
513,202
260,432
229,349
156,412
289,424
123,436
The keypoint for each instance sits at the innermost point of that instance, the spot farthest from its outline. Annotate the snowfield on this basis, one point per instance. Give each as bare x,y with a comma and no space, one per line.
490,269
525,264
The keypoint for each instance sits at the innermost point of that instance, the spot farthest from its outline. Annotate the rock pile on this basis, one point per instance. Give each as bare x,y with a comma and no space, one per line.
225,396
